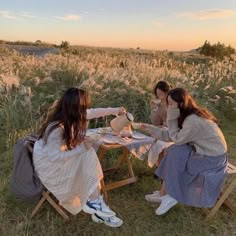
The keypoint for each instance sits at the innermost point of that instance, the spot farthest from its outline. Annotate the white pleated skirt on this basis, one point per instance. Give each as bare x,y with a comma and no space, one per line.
71,181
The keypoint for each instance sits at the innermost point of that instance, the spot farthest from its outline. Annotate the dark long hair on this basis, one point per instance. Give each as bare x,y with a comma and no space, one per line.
70,113
163,86
188,106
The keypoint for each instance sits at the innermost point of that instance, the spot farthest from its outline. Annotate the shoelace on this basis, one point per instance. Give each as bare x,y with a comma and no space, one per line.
100,203
95,204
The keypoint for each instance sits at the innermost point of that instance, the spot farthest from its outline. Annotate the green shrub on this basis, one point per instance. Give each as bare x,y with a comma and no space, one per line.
218,50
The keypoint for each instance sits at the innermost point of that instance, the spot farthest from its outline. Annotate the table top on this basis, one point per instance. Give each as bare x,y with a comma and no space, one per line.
138,145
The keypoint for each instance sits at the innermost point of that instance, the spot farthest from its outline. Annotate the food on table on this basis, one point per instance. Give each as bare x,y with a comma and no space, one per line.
105,130
136,125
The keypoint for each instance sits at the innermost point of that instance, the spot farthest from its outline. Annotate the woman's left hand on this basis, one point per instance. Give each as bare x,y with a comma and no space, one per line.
146,128
88,143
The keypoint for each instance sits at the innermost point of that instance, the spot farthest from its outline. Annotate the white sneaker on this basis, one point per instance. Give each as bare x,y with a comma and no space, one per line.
112,221
99,207
153,197
166,203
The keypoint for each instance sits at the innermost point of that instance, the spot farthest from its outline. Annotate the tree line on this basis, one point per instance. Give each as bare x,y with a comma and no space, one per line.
218,50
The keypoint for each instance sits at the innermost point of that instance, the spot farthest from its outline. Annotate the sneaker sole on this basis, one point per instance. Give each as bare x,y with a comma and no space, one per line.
91,211
99,221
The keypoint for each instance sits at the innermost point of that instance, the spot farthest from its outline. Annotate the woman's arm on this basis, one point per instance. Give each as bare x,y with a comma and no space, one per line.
99,112
180,136
156,132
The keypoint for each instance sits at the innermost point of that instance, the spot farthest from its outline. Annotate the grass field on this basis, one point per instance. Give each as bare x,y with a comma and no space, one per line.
28,87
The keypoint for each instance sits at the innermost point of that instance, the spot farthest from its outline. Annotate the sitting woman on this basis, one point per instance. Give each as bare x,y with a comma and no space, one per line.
65,161
158,105
194,168
158,118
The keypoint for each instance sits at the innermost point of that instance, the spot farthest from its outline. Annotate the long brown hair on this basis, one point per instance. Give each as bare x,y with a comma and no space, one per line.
188,106
70,113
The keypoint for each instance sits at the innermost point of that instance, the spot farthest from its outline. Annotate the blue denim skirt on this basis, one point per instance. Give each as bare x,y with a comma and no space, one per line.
191,178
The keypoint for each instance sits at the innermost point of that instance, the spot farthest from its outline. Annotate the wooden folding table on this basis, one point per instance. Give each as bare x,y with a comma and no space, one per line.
123,158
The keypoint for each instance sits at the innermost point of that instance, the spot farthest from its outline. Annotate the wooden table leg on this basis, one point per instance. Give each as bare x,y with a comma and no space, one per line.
123,158
101,153
121,183
131,172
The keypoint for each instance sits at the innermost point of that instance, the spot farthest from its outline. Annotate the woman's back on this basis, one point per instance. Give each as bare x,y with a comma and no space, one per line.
206,136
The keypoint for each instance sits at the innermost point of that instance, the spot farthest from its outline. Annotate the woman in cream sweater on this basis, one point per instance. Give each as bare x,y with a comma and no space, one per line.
194,168
158,118
65,161
158,106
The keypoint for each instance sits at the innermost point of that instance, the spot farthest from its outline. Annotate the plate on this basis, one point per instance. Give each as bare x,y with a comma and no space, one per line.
91,132
138,136
93,137
105,130
110,141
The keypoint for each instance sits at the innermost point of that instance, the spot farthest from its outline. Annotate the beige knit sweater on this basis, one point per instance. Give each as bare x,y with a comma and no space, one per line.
203,134
158,114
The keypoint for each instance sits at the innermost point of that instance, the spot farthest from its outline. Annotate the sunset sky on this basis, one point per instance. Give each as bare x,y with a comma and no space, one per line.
150,24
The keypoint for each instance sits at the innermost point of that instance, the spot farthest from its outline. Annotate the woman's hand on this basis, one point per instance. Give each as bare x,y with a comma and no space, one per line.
146,127
122,111
151,130
172,103
88,143
153,105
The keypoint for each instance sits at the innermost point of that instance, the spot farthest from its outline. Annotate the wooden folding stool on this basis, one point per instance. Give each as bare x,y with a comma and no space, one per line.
224,197
47,196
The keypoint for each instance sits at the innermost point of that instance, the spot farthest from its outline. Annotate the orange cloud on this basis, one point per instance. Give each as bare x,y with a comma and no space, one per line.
69,17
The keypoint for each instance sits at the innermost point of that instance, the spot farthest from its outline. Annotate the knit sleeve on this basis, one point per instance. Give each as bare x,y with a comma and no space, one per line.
56,149
158,133
99,112
184,135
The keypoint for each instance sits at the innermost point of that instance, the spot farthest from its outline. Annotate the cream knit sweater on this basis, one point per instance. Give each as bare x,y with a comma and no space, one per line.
203,134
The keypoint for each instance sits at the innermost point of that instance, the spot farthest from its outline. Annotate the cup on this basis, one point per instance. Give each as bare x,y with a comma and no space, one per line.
136,125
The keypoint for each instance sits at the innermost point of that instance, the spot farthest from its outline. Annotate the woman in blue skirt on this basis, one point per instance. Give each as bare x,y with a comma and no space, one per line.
194,168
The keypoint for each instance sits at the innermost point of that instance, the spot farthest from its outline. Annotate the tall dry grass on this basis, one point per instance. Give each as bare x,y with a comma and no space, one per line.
28,87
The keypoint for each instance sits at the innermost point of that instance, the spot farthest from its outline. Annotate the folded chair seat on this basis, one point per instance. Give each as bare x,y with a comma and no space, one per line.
225,194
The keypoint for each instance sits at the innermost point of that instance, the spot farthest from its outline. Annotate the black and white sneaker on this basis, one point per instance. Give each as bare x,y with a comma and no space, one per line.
99,207
112,221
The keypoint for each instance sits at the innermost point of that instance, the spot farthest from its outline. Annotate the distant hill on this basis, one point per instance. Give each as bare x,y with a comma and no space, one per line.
37,43
39,51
